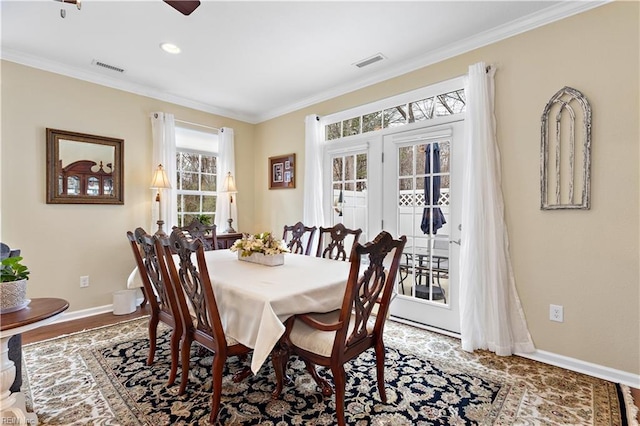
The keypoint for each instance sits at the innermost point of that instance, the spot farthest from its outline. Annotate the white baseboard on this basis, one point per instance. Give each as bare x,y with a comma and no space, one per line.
84,313
572,364
584,367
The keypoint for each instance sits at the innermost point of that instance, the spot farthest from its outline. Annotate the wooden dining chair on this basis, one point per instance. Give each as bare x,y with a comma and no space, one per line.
202,325
334,242
299,238
332,339
205,233
162,300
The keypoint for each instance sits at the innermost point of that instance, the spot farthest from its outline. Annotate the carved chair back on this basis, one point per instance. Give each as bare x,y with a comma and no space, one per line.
337,242
200,231
193,288
366,290
299,238
144,251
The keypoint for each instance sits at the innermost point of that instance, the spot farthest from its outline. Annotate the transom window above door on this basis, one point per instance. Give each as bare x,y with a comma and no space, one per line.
445,104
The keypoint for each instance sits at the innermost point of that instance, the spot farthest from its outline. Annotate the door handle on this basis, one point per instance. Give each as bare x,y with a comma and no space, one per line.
455,241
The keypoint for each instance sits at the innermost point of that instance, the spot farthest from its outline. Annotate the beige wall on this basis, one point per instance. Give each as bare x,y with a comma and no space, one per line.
64,241
587,261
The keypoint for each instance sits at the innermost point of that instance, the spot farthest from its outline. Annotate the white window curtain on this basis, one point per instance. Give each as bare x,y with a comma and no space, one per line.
312,212
226,163
163,132
490,311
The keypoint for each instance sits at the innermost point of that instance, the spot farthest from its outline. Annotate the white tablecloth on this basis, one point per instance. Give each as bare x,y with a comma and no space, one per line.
254,300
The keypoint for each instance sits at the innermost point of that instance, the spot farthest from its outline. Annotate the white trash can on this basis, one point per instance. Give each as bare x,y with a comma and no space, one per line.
124,302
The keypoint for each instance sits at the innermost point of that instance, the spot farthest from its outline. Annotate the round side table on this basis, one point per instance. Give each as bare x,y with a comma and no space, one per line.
39,312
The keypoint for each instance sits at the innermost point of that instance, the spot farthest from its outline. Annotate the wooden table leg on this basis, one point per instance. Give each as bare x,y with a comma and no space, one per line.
280,357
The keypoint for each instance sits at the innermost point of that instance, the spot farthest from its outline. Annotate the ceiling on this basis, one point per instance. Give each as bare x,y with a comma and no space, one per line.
257,60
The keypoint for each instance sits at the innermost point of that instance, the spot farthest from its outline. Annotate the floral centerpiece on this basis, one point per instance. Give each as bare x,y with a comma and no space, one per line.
260,248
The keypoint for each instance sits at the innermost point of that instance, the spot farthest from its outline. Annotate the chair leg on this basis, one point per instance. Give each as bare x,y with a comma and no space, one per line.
325,387
175,348
217,368
339,379
144,298
185,350
153,329
380,357
242,374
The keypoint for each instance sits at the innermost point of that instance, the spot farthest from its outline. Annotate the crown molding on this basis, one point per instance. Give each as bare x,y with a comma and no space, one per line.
103,80
538,19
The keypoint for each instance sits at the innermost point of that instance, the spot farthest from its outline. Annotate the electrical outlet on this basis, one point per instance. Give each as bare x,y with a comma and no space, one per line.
84,281
556,313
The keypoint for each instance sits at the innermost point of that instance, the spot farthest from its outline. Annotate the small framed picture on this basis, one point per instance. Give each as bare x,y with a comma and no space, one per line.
282,171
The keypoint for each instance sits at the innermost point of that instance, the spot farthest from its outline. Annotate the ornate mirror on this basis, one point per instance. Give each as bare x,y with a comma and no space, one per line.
84,169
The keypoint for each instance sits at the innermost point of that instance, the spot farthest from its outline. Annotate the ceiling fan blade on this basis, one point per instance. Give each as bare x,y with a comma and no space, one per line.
183,6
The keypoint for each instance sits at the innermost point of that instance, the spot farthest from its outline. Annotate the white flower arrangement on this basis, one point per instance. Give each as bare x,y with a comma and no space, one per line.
259,243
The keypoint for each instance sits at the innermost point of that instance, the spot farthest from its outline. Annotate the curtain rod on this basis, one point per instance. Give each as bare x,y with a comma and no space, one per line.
196,124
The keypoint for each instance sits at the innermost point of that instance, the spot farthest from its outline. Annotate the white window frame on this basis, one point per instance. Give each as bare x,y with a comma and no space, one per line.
211,153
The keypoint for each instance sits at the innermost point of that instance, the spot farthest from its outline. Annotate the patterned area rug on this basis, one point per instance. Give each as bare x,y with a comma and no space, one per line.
99,377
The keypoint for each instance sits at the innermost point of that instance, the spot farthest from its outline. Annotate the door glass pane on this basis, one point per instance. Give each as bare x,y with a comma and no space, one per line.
361,166
405,161
349,196
424,270
337,169
349,168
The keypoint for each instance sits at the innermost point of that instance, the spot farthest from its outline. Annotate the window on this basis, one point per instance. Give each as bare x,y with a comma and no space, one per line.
349,183
197,176
447,103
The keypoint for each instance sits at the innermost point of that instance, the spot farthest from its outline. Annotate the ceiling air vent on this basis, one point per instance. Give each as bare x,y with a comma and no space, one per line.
107,66
372,60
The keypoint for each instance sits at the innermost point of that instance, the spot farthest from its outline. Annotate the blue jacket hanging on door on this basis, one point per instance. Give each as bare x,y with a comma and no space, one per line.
432,215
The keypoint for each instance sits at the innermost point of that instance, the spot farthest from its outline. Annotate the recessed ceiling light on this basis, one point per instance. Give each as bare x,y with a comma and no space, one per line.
170,48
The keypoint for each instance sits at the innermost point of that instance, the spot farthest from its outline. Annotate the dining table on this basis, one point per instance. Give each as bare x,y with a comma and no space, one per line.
255,300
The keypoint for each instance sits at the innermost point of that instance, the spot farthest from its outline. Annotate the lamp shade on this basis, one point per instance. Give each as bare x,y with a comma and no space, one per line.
229,184
160,179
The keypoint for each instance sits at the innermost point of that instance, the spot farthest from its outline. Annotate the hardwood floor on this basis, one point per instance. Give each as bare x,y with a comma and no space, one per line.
55,330
59,329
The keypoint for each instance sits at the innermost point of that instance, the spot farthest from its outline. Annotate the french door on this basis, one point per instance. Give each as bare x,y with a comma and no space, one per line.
420,200
405,182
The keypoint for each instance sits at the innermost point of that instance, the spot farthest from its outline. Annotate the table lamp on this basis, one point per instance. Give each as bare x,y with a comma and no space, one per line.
229,186
160,181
